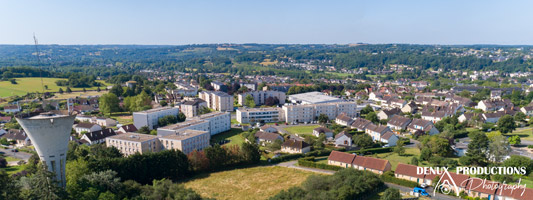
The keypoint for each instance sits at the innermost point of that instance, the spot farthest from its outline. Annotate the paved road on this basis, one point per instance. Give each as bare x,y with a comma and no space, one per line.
292,164
20,155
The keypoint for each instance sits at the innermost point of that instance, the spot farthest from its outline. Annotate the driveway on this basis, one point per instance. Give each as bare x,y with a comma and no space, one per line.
292,164
20,155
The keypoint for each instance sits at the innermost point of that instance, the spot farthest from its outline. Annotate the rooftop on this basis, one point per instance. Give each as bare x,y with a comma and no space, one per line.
313,98
156,110
134,137
183,135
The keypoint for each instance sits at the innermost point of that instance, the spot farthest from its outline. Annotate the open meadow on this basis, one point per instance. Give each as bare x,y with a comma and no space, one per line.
25,85
248,183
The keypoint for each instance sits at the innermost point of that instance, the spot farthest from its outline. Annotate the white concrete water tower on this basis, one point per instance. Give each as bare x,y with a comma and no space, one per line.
50,134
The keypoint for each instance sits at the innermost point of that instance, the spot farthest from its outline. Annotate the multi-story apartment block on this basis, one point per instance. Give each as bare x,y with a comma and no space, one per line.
218,121
213,123
185,89
219,101
150,117
186,141
260,97
131,143
310,112
192,124
191,108
265,115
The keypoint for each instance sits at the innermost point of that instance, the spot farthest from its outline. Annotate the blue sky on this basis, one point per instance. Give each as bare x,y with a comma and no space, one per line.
272,21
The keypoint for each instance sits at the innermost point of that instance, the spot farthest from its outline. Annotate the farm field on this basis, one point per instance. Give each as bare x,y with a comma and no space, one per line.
301,130
248,183
25,85
78,94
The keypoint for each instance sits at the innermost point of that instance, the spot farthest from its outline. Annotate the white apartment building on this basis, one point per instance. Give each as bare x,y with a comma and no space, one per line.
186,141
191,108
218,121
193,124
310,112
213,123
216,100
150,117
261,96
131,143
265,115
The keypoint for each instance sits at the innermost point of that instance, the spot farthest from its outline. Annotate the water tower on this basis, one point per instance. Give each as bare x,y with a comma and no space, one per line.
49,134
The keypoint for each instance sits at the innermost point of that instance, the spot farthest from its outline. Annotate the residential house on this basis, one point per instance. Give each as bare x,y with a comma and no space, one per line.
12,108
465,117
264,138
322,130
386,114
396,103
410,107
341,159
434,116
5,119
130,128
408,172
343,139
390,138
478,188
376,131
528,110
398,122
360,124
295,146
104,121
343,120
422,125
86,127
19,136
268,129
493,117
97,137
494,105
375,165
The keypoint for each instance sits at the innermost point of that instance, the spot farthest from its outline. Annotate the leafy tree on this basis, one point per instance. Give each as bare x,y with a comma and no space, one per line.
8,187
519,116
117,90
68,90
399,148
42,185
109,103
519,161
98,89
367,109
169,119
217,156
499,148
437,145
373,117
163,103
414,161
506,124
391,194
475,154
249,101
250,153
3,162
363,140
323,118
515,140
144,130
181,117
276,145
425,154
60,90
165,189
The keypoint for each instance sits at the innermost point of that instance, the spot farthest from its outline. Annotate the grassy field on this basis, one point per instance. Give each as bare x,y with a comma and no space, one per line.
25,85
342,75
232,135
248,183
124,120
524,133
11,159
13,169
394,158
301,130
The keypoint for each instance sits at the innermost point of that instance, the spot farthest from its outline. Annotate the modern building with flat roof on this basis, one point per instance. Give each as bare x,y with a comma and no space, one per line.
264,115
260,97
131,143
310,112
151,117
312,98
186,141
217,100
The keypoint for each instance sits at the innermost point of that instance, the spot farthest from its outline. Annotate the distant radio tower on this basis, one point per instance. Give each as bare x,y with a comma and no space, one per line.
39,63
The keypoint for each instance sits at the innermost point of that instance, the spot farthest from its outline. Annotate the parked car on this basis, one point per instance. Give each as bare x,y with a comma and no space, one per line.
420,191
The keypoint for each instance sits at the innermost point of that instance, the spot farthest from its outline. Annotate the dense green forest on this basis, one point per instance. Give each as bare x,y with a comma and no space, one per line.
109,60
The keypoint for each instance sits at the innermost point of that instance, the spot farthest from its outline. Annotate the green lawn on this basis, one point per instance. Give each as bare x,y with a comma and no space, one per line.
25,85
13,169
10,159
234,135
301,130
394,158
524,133
247,183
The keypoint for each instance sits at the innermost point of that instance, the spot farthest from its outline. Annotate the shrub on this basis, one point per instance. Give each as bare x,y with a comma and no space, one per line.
304,162
372,150
391,179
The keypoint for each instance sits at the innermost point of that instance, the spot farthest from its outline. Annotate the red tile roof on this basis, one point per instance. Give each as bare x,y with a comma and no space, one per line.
341,157
408,170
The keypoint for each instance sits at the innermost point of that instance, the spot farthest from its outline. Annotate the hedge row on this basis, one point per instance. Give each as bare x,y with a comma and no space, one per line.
397,181
306,163
373,150
287,157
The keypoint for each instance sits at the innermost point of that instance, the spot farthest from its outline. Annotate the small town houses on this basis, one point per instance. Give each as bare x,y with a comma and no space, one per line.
347,160
295,146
